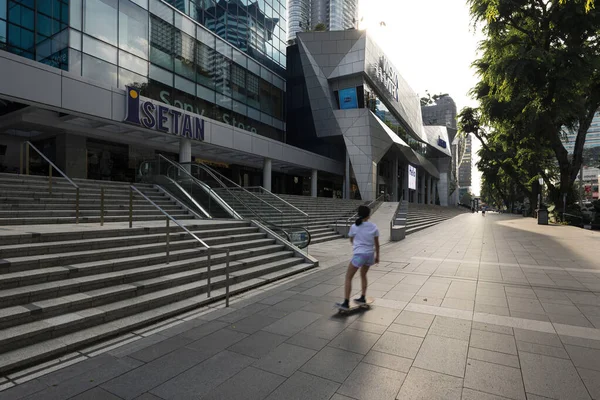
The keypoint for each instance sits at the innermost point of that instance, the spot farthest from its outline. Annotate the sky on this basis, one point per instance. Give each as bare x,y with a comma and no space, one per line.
432,43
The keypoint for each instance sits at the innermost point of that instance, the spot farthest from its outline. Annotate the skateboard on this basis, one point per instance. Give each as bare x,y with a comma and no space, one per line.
354,306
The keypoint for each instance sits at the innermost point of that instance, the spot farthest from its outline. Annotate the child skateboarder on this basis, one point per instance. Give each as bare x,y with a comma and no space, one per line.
364,237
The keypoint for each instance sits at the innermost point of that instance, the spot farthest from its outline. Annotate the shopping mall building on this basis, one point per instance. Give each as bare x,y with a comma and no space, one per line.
102,85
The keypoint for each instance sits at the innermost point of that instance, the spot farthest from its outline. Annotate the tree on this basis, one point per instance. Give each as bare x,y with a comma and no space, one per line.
320,27
430,100
466,199
540,73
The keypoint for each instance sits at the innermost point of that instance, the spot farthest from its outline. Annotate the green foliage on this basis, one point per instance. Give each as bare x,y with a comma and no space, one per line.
320,27
539,73
430,100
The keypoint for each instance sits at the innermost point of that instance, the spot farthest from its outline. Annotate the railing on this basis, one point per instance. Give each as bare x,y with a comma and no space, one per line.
210,250
25,152
269,193
211,193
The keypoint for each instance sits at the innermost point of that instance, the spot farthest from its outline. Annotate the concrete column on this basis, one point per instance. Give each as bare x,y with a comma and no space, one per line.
267,174
430,191
347,178
185,152
422,188
395,196
405,192
313,183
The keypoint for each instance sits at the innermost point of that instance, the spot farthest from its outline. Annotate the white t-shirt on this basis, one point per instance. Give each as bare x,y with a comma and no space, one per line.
364,237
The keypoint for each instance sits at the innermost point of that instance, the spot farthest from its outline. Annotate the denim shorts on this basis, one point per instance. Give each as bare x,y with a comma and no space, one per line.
363,260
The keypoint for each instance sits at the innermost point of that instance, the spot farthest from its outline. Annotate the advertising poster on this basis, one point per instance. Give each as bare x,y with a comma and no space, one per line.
348,99
412,177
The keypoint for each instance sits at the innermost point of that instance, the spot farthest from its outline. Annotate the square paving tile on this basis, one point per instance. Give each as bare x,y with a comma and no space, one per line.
355,341
552,377
160,349
379,315
324,328
258,344
303,386
427,385
368,327
451,327
441,354
551,351
408,330
252,323
493,341
548,339
249,384
398,344
292,323
530,306
494,379
285,359
458,304
494,357
370,382
217,341
591,379
308,341
470,394
333,364
201,379
416,319
96,394
388,361
584,357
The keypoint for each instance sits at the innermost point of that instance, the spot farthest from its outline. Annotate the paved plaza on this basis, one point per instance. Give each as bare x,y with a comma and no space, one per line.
476,308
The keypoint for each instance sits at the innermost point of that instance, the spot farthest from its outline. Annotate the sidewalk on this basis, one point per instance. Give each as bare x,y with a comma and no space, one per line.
476,308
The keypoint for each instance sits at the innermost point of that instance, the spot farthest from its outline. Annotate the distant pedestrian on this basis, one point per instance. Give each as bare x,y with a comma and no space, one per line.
364,237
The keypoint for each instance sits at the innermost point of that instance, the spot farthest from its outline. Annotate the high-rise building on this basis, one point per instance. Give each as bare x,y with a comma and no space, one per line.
465,166
591,140
298,17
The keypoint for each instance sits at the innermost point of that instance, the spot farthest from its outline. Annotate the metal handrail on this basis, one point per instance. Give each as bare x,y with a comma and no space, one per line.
279,198
208,248
213,172
28,145
203,185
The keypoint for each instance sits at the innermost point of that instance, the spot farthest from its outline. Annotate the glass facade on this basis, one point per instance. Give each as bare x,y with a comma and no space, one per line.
592,138
298,17
36,29
148,44
257,27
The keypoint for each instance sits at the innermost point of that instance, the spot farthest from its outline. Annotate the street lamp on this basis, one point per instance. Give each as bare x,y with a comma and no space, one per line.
541,182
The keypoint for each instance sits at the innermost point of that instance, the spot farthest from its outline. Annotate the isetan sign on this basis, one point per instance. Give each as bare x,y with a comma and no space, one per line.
161,118
387,75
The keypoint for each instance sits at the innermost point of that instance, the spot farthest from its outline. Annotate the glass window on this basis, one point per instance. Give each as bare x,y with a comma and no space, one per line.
160,75
99,49
222,74
133,63
141,3
205,93
204,65
99,70
252,89
185,24
3,9
128,78
161,10
2,32
133,29
205,37
238,82
100,19
185,85
185,55
75,39
161,41
75,62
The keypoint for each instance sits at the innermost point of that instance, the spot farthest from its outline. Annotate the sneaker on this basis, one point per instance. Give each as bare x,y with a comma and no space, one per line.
361,300
343,305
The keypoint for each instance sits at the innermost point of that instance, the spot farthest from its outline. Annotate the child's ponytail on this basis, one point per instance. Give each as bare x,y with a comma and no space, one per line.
363,212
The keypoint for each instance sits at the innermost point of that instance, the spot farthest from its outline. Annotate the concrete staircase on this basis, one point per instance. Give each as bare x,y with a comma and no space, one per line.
64,286
423,216
62,290
26,200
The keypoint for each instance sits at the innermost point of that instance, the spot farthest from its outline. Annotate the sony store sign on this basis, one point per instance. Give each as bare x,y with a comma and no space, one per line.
161,118
387,75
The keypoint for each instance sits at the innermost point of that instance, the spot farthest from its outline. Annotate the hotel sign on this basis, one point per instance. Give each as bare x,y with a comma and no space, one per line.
387,75
161,118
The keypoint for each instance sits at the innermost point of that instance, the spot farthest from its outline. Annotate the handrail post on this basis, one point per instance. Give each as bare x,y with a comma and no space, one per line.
21,150
208,273
168,239
102,206
27,158
227,279
77,205
50,179
130,207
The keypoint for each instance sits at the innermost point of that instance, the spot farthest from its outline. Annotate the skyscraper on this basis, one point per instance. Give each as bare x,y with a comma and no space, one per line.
298,17
336,15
